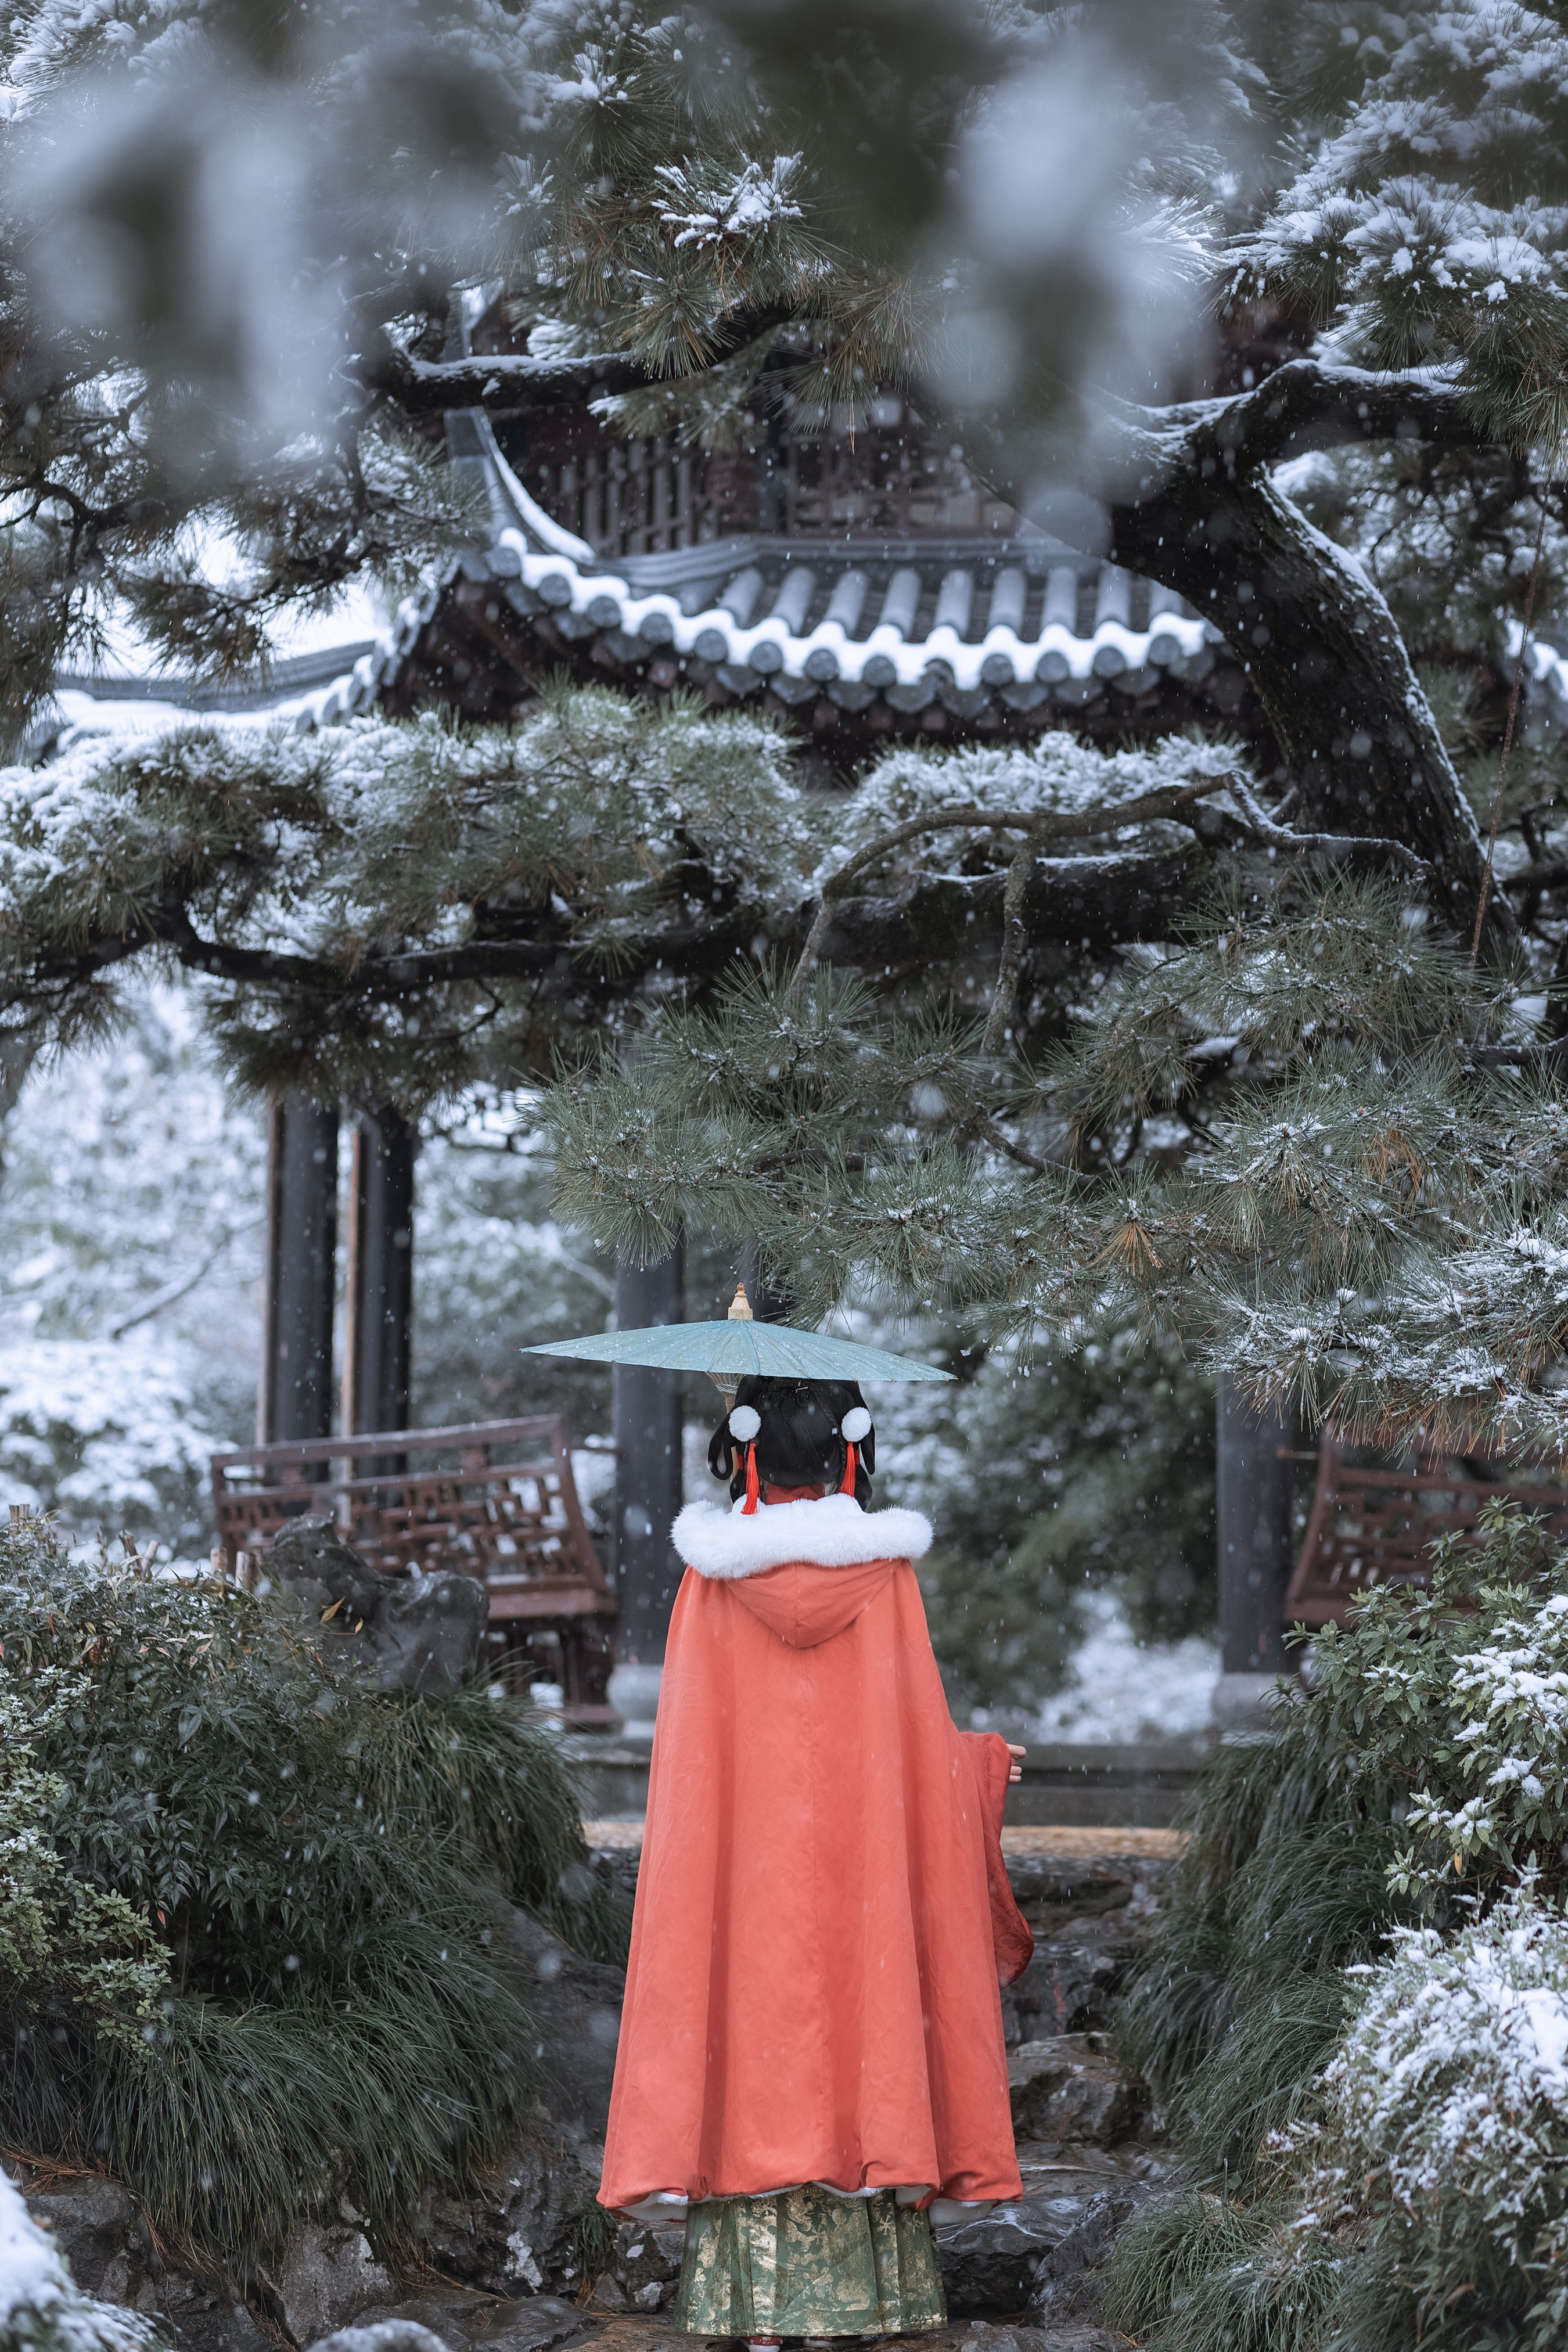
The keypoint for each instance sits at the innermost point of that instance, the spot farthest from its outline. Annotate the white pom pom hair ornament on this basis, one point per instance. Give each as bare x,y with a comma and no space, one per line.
854,1426
745,1421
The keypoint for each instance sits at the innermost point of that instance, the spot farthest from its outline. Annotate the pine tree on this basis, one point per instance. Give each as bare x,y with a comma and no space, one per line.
700,217
1298,1126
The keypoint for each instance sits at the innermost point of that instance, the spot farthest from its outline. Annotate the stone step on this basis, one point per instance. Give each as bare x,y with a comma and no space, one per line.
1133,1785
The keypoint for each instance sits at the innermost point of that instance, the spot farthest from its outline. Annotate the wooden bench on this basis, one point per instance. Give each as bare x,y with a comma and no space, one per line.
1374,1524
493,1499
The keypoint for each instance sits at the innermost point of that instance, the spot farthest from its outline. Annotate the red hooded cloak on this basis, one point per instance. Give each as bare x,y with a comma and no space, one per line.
812,1992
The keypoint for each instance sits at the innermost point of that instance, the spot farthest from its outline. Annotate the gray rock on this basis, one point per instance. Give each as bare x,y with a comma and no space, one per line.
991,2263
622,1863
311,1560
1070,2088
385,2335
195,2316
532,2324
515,2231
94,2222
1064,2275
415,1631
1074,2336
1069,1987
644,2269
98,2228
578,2004
535,2325
325,2278
1052,1890
430,1631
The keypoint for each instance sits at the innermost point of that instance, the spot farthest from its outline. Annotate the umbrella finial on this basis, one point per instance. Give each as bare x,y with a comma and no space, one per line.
740,1307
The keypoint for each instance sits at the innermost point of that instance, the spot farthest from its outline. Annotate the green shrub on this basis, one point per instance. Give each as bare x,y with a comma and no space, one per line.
322,1875
1167,2249
1427,1765
1357,2008
61,1941
1459,1696
1442,2139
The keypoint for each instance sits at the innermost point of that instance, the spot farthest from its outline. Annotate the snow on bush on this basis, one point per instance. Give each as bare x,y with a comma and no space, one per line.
1442,2143
41,2309
1510,1699
1461,1693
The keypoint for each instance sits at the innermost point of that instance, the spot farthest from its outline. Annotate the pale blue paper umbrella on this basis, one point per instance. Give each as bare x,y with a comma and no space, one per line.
729,1351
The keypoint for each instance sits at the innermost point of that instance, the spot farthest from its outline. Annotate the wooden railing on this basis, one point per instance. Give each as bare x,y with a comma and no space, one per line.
496,1499
1377,1525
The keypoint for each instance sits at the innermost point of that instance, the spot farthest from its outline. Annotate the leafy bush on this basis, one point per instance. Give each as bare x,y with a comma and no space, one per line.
1425,1766
1358,2008
323,1875
62,1943
1426,2199
1444,2133
1459,1696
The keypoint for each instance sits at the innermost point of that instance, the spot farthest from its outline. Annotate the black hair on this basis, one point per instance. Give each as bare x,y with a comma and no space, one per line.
799,1443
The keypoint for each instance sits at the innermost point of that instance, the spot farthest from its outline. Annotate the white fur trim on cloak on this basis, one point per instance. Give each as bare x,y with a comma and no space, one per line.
833,1532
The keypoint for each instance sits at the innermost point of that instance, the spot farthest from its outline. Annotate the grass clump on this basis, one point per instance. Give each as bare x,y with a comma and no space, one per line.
1241,1993
267,1959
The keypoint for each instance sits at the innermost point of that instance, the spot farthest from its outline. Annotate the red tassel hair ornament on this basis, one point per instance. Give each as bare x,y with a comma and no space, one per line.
745,1423
855,1427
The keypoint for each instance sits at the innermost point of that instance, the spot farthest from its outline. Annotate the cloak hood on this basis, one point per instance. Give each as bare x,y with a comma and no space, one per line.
833,1532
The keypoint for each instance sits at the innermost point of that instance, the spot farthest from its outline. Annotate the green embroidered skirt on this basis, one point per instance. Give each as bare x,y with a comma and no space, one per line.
808,2263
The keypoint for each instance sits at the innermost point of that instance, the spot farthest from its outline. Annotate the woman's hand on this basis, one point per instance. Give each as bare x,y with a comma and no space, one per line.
1015,1771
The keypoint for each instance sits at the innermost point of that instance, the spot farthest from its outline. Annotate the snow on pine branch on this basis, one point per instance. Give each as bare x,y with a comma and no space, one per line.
1435,220
735,206
1055,774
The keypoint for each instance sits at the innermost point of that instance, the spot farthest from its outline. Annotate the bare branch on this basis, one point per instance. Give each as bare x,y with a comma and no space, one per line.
1264,828
1041,825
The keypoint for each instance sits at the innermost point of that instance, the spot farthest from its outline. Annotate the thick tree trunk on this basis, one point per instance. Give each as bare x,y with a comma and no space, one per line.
1195,510
1327,663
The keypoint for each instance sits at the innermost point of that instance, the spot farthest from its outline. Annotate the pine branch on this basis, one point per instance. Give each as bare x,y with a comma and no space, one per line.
1040,824
512,383
1312,404
1263,829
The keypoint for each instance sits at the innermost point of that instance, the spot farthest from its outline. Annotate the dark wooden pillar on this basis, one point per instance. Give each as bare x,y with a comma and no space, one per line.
296,1400
381,1271
1254,1514
647,1465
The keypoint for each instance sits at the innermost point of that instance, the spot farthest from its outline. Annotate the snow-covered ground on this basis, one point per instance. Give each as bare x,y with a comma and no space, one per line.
1121,1689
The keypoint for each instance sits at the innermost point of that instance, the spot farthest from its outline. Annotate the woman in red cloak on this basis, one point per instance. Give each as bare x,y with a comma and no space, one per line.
811,2052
